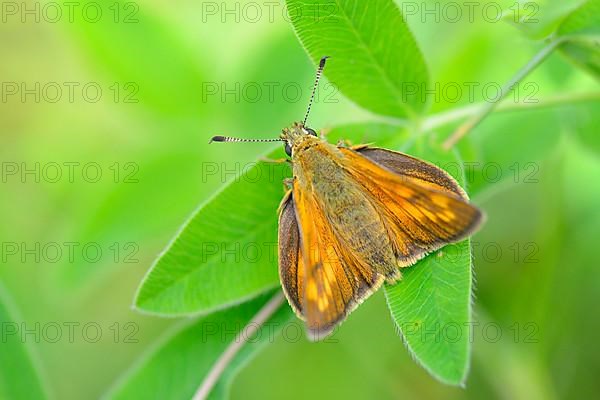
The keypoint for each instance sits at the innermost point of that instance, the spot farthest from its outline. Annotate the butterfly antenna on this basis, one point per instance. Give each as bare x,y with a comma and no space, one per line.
233,139
312,96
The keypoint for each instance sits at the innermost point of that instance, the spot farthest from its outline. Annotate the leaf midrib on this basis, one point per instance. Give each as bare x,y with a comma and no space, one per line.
186,275
438,309
387,79
436,313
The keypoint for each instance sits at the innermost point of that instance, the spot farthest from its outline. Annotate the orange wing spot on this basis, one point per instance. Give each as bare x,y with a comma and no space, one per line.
441,201
323,303
432,216
312,293
447,215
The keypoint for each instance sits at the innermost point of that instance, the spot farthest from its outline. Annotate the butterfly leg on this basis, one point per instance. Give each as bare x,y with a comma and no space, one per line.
392,279
348,145
359,147
288,183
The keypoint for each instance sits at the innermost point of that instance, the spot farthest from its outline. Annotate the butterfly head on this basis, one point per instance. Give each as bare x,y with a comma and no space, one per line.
295,135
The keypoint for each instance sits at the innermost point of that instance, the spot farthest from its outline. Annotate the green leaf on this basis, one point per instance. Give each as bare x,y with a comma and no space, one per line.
431,309
375,60
431,305
583,29
585,54
177,367
585,20
577,21
538,19
19,375
227,252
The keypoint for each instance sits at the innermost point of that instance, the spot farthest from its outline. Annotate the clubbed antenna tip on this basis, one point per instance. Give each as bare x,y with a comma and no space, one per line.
312,96
217,139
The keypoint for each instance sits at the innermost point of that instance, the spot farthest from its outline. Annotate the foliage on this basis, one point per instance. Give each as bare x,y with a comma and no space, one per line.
532,166
379,58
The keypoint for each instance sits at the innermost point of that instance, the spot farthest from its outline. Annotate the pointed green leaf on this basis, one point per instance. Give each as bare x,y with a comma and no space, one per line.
583,29
177,367
375,60
585,20
431,305
431,309
538,19
226,252
585,54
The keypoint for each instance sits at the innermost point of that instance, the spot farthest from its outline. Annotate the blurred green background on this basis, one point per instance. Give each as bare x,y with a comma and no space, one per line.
147,134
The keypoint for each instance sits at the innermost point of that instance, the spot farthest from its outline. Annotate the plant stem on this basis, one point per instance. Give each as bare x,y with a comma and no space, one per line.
489,107
234,347
447,117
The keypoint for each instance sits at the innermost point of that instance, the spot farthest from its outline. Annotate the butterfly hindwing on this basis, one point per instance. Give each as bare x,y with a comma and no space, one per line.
291,268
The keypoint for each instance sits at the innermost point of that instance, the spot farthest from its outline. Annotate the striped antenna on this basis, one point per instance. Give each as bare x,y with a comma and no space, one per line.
233,139
312,96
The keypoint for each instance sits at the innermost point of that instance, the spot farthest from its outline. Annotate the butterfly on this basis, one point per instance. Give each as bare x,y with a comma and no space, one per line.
353,217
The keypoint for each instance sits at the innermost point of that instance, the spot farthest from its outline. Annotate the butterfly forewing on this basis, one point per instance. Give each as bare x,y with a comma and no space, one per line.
405,165
422,213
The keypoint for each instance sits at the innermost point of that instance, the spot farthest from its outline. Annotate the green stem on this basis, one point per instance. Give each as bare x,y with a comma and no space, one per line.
457,114
234,347
489,107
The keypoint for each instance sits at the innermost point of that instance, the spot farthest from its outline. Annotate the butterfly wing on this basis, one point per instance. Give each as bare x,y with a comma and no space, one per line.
424,208
323,275
291,266
405,165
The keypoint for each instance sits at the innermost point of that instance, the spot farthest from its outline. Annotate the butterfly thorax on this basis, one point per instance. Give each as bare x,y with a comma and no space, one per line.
316,162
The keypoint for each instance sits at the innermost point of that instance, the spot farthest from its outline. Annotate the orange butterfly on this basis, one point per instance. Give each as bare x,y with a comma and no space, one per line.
353,217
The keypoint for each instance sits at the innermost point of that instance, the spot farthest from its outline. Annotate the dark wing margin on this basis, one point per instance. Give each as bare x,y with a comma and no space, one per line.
405,165
289,252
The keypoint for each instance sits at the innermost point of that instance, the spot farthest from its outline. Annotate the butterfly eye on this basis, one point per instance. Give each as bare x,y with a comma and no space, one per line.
288,149
311,131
